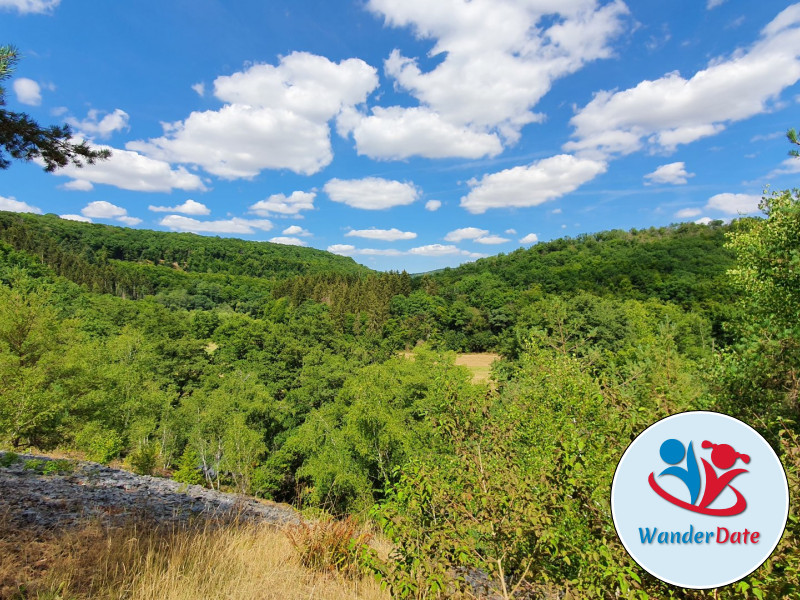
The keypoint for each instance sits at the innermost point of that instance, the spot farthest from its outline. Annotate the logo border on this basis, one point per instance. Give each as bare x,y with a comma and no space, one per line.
785,488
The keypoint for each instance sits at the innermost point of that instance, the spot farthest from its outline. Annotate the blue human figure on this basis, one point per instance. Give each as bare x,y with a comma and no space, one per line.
672,452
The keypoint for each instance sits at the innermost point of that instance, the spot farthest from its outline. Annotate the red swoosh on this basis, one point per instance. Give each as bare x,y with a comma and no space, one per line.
737,508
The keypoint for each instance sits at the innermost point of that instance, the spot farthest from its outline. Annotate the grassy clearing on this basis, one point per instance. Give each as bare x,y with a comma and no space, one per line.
480,363
139,562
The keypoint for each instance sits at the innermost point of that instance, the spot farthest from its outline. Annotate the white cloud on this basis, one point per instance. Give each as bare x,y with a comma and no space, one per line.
396,133
704,221
102,127
190,207
511,231
688,213
275,117
80,218
674,173
734,204
662,114
531,238
13,205
555,211
433,205
130,171
429,250
788,167
371,193
343,249
199,88
234,225
491,239
296,230
288,241
442,250
283,205
30,6
465,233
714,3
539,182
77,185
101,209
27,91
500,58
386,235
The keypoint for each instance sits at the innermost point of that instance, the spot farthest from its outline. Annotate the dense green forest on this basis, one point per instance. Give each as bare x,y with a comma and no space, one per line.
277,371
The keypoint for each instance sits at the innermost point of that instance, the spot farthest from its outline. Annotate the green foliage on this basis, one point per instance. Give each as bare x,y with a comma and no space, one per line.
8,459
188,470
99,443
144,458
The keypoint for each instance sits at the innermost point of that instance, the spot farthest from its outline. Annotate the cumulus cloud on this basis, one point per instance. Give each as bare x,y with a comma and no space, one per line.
465,233
190,207
397,133
29,6
79,218
27,91
499,58
371,193
491,239
674,173
531,185
199,89
101,209
433,205
130,171
343,249
734,204
442,250
103,127
11,204
660,115
531,238
296,230
704,221
283,205
429,250
274,117
234,225
288,241
788,167
386,235
688,213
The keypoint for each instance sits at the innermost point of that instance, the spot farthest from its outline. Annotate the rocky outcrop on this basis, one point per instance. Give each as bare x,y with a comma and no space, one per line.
33,494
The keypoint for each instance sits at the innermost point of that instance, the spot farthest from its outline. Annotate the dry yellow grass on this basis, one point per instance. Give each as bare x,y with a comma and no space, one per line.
136,562
480,363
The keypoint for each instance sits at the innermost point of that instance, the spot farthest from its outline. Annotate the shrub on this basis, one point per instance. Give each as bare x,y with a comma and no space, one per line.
188,471
100,444
8,459
144,458
331,545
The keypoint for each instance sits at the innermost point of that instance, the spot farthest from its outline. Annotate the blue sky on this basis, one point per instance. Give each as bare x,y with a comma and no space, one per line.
408,134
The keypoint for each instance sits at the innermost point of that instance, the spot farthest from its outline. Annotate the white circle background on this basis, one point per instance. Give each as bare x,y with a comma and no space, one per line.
635,505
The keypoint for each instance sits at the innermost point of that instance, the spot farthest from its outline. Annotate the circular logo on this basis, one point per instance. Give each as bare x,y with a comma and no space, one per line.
699,500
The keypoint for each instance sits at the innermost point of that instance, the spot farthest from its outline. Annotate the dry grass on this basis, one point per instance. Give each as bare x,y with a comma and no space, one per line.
135,562
480,363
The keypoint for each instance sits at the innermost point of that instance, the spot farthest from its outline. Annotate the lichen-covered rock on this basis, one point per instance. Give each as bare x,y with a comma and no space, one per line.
49,498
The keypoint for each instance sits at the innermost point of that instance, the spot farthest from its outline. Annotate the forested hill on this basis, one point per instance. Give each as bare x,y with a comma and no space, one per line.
136,262
683,263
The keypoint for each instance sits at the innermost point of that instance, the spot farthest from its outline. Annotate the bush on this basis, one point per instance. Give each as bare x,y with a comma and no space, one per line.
144,459
331,545
188,471
100,444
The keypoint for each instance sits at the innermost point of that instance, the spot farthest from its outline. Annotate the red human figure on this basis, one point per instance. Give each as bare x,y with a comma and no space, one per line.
724,457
